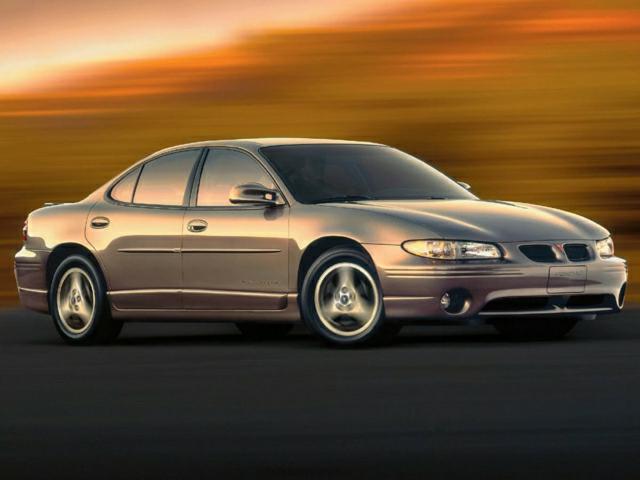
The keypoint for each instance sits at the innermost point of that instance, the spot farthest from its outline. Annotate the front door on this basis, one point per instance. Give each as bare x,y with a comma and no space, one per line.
234,256
137,233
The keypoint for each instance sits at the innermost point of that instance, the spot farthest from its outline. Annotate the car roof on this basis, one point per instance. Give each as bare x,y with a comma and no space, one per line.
254,144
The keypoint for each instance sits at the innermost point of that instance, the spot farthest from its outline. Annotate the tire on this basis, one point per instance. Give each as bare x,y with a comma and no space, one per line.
78,303
534,328
264,331
341,300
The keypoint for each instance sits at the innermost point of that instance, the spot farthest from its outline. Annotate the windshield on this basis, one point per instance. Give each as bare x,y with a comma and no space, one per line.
333,173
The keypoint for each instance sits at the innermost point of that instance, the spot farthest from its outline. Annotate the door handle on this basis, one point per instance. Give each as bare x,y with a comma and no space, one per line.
197,226
99,222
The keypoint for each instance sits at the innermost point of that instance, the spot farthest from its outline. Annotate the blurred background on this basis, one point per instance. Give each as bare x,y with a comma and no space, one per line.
528,100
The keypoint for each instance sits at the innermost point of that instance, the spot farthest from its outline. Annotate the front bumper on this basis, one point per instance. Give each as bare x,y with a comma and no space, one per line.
30,271
516,286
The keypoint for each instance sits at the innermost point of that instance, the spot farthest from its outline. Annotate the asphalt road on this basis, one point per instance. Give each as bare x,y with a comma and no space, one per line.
186,401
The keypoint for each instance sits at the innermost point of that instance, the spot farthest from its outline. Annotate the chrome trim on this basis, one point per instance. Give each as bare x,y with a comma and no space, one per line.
33,290
232,292
230,250
397,298
451,272
28,266
556,310
142,291
478,275
199,250
196,291
149,250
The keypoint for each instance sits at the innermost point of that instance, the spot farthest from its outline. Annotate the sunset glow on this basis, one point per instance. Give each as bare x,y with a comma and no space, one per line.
44,40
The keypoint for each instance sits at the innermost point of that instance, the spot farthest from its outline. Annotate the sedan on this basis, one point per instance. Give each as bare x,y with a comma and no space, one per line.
355,239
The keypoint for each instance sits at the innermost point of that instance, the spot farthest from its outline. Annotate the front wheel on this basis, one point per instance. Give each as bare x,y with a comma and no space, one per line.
341,300
78,304
534,328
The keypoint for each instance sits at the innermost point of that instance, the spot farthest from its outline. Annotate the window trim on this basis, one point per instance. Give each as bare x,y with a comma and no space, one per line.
117,182
141,165
198,175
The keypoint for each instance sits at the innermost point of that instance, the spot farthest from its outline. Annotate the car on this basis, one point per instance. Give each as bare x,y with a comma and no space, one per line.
356,239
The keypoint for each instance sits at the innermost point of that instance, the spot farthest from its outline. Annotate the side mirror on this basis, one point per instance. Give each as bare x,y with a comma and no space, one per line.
254,193
464,185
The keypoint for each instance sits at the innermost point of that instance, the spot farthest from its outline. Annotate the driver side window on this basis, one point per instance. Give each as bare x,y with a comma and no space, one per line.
225,169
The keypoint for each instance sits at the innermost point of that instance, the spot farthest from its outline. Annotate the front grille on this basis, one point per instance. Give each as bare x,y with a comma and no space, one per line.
539,253
516,304
577,252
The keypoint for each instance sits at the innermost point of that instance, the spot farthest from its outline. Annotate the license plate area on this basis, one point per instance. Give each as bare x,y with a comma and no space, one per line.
567,279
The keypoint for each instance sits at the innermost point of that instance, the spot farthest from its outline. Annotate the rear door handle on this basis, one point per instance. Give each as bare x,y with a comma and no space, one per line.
197,226
99,222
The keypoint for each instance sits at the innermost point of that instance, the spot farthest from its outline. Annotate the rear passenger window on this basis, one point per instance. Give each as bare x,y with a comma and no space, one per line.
123,191
163,181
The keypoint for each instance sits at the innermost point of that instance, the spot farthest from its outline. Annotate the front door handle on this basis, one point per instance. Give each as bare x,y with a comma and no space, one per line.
99,222
197,226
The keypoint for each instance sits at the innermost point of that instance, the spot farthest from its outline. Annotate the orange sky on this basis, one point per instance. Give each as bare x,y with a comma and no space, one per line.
41,39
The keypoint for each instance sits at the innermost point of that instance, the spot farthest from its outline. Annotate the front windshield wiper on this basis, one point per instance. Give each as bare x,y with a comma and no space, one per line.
343,198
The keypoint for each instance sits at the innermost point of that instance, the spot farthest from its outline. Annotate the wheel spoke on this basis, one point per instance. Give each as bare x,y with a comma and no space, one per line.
86,292
329,308
362,312
84,312
346,278
75,280
64,309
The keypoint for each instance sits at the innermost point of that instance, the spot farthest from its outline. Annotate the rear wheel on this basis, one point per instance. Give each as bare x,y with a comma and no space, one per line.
264,331
534,328
341,300
78,305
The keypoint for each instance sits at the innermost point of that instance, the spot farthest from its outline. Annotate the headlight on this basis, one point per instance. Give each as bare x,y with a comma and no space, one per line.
605,248
452,250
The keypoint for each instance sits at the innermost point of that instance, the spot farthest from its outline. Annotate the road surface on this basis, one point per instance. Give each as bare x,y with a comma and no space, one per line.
199,401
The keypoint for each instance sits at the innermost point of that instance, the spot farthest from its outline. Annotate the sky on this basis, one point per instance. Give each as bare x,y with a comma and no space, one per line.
40,38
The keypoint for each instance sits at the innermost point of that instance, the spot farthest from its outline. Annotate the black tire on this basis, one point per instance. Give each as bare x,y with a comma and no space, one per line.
534,328
376,331
101,328
264,331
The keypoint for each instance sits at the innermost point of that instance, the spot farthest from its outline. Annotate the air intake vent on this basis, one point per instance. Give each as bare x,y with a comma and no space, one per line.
577,252
539,253
517,304
585,301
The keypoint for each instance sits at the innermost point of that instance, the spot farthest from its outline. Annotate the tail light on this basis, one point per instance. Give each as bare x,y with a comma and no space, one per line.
25,231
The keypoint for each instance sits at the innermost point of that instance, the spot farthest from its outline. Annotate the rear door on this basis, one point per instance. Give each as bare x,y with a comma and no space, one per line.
137,232
234,257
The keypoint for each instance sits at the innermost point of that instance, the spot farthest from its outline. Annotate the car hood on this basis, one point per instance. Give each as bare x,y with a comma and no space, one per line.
482,220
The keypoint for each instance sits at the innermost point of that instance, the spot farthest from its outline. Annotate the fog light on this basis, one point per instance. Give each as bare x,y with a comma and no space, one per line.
456,301
445,301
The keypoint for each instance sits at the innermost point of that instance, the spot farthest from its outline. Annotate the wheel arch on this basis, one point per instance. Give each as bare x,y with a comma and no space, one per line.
321,245
64,250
